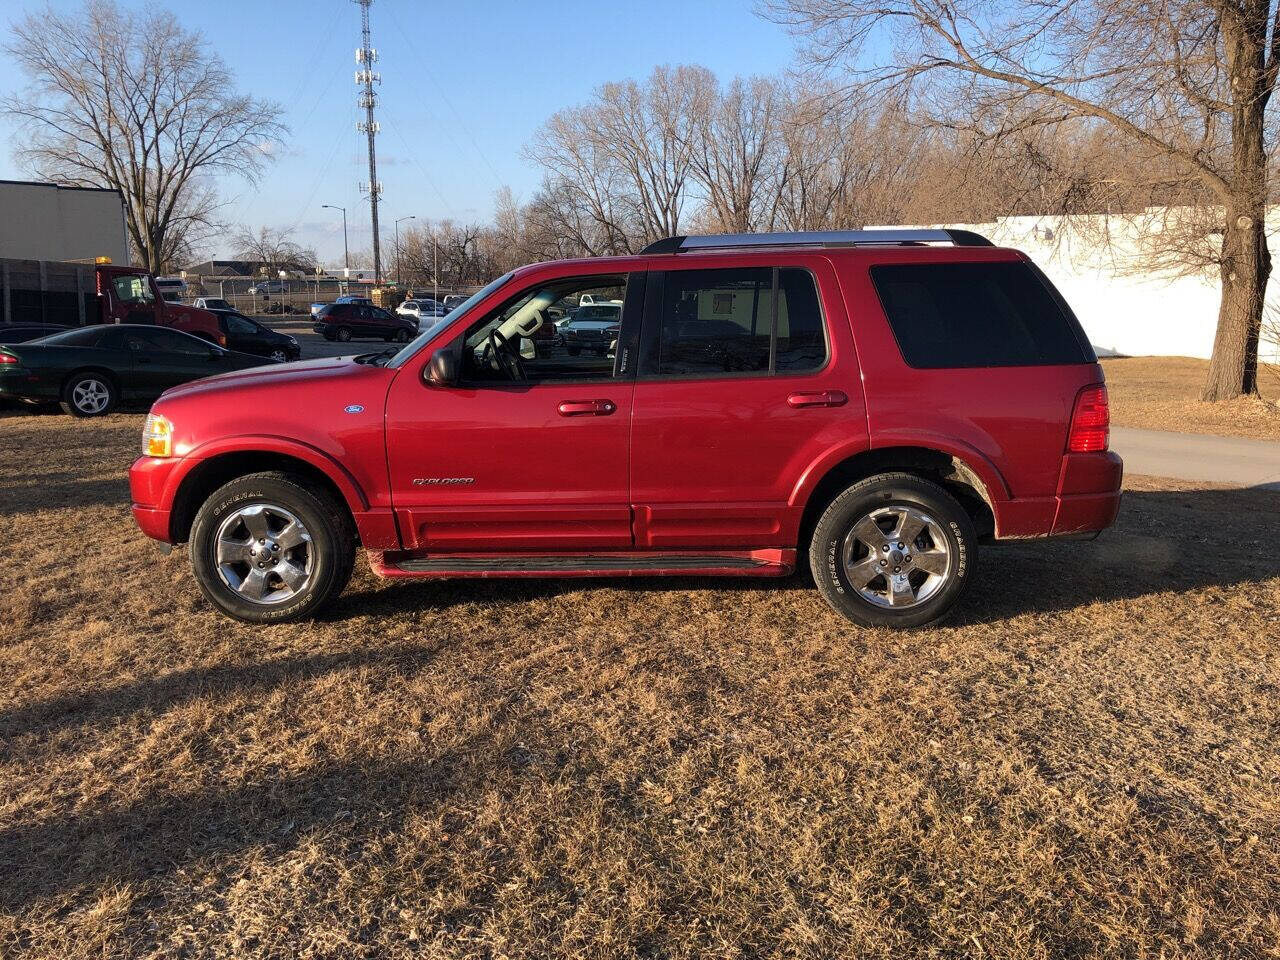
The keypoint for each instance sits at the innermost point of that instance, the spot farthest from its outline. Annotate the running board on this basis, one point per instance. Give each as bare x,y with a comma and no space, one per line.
745,563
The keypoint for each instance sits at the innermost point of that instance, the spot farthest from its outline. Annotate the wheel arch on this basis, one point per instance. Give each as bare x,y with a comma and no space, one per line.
212,472
111,375
954,473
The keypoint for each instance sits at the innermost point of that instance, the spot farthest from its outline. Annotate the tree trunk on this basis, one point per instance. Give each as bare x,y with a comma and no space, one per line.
1246,261
1246,265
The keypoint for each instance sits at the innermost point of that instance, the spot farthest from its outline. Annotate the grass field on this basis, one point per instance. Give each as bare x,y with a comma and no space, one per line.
1083,763
1163,393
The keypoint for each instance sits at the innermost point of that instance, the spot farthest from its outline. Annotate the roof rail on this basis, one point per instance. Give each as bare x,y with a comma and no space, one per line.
819,238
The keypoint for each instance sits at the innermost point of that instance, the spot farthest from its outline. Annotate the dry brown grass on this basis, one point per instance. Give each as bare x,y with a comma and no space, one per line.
1163,393
1084,763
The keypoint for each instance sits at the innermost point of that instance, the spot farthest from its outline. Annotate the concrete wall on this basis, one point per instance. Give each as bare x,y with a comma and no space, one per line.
42,221
1124,305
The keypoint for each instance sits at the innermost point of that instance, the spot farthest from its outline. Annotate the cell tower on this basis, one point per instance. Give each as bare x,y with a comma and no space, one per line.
365,79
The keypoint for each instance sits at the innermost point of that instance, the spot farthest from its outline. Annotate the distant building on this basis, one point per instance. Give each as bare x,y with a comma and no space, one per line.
47,221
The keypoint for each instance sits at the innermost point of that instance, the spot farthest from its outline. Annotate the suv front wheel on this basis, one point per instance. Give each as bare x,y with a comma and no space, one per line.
893,550
266,548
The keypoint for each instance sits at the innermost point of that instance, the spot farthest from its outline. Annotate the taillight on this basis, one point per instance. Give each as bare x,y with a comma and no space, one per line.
1090,421
6,358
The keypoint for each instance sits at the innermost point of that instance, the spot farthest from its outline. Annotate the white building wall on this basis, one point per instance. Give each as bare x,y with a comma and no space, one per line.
1123,309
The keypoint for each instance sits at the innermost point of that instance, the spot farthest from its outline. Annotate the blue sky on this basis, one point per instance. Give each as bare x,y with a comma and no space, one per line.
464,86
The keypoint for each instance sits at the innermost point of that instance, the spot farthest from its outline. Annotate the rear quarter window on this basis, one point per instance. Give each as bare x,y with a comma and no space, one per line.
977,315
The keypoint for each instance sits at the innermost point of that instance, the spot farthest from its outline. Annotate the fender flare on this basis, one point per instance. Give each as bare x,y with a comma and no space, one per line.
266,443
991,484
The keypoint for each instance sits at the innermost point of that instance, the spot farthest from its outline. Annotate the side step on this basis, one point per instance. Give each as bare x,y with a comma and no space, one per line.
745,563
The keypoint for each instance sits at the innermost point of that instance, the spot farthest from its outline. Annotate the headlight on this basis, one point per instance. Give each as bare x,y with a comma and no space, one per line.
293,340
157,437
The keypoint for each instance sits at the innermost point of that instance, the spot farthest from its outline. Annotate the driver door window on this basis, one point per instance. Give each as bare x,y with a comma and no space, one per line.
520,342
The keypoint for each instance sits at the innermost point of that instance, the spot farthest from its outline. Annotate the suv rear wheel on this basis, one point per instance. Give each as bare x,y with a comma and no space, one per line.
893,550
267,549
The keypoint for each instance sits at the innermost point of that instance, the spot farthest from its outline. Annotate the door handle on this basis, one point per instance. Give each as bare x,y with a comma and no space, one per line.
586,408
827,398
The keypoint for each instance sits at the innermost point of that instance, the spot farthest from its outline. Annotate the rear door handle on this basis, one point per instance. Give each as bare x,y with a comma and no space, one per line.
827,398
587,408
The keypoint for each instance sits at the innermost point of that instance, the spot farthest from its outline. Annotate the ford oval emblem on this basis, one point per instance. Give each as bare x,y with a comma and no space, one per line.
354,408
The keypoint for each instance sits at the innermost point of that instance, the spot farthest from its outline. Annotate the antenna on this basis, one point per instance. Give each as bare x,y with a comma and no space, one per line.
365,79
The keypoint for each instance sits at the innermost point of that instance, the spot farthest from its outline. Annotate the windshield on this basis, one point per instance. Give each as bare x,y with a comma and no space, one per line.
414,345
597,313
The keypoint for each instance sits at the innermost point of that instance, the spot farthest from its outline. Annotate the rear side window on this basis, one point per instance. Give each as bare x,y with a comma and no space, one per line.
976,315
743,320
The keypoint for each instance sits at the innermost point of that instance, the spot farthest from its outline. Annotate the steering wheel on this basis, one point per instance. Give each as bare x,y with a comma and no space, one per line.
508,360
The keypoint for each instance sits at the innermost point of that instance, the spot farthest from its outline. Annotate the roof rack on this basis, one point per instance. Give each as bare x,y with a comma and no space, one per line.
819,238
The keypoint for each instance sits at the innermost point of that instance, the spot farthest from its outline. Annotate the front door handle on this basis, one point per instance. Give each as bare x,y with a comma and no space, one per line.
586,408
827,398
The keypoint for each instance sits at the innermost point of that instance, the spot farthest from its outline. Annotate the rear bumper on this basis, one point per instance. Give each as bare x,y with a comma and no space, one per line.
1088,492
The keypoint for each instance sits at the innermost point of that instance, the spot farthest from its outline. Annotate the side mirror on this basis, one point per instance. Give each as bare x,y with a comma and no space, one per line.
442,369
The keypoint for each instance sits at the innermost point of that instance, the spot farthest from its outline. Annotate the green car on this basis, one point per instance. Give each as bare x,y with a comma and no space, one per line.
91,370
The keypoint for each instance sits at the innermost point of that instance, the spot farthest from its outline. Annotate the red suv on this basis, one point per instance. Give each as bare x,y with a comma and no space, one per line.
872,404
351,321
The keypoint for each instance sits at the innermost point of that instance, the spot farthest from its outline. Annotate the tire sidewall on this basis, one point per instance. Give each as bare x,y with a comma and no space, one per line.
343,335
68,395
827,566
326,539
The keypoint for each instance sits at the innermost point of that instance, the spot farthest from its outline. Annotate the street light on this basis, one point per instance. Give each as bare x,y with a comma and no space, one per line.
346,256
398,277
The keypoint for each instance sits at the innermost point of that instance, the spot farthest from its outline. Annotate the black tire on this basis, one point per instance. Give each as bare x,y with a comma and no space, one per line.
400,336
574,351
343,334
883,494
278,355
331,549
78,389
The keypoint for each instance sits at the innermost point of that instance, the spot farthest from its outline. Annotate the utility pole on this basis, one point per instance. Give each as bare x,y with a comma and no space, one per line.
366,78
410,217
346,253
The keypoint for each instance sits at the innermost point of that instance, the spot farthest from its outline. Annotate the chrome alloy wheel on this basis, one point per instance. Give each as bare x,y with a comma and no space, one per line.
90,395
264,553
897,557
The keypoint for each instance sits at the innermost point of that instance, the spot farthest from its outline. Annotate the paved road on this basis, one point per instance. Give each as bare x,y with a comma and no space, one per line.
1194,456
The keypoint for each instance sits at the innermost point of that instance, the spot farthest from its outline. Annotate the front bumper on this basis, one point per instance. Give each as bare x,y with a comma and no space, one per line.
149,482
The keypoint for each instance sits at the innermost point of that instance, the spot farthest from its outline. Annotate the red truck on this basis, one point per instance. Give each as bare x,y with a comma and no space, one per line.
871,404
75,294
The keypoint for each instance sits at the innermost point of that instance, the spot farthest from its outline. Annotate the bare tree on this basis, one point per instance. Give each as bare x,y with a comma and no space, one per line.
274,249
1187,84
133,101
736,150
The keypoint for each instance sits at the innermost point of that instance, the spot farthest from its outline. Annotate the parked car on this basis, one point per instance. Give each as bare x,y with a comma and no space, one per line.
592,328
91,370
268,288
423,312
357,321
317,307
23,332
211,303
452,302
237,332
172,289
870,403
